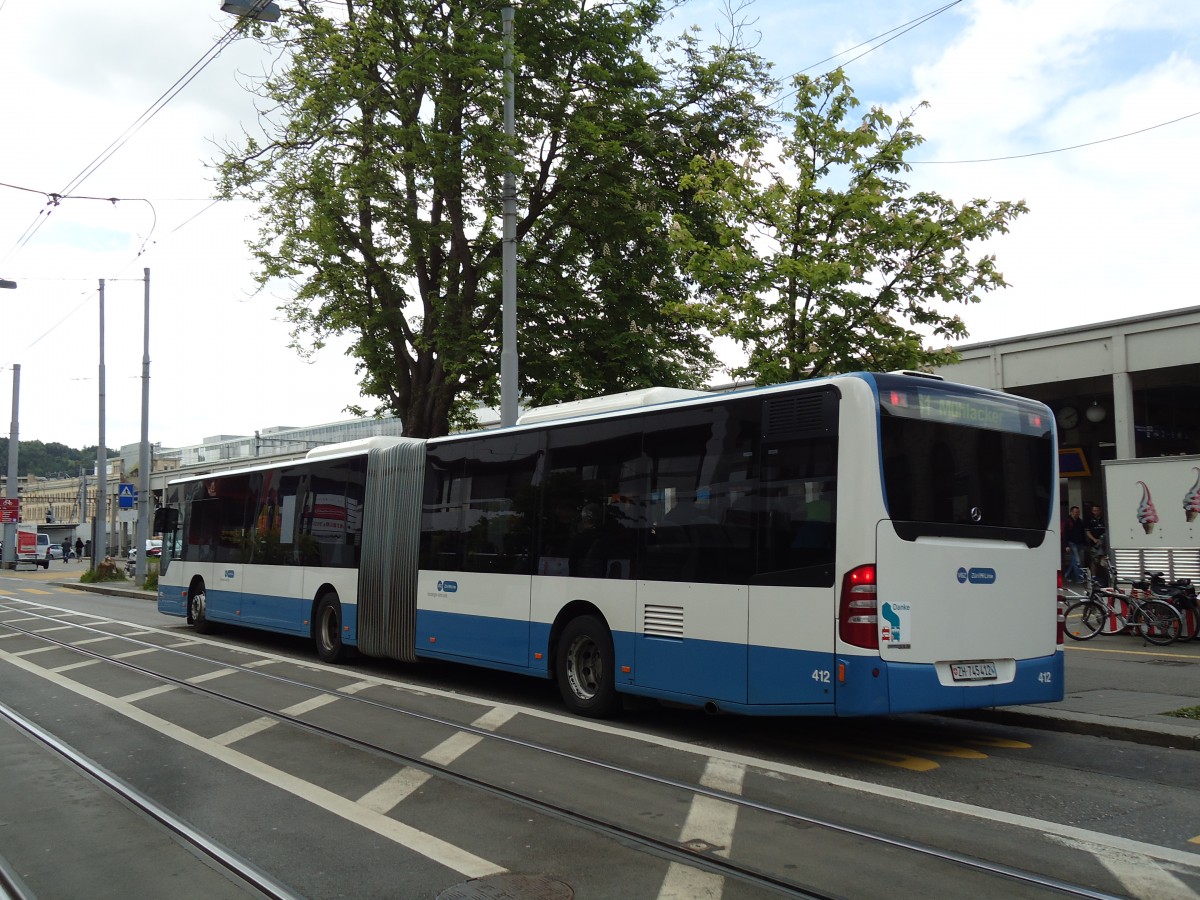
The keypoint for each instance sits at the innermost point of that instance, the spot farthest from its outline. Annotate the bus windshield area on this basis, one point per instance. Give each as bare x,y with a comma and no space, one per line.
956,461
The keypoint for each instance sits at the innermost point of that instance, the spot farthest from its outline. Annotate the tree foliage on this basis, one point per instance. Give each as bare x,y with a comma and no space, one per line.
826,261
53,459
378,179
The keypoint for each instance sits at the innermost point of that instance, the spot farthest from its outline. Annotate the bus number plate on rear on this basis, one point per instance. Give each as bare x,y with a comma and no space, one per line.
976,671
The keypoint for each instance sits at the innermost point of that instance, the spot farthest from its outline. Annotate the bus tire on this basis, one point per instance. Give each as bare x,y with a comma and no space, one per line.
197,609
583,666
327,629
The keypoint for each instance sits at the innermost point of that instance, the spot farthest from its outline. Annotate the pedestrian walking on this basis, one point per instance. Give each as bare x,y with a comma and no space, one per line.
1096,532
79,548
1075,536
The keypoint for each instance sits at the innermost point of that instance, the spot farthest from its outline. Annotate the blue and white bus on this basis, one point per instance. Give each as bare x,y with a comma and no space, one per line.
862,544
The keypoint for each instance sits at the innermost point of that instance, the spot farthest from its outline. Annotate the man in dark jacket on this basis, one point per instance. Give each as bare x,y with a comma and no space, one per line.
1075,536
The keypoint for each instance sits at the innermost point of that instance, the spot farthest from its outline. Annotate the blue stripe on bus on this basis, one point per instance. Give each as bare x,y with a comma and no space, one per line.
286,615
750,681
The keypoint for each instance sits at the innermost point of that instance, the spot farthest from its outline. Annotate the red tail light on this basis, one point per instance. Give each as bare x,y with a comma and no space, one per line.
858,612
1062,610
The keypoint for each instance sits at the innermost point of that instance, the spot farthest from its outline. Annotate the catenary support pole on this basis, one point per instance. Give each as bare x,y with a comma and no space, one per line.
144,506
100,540
10,491
508,276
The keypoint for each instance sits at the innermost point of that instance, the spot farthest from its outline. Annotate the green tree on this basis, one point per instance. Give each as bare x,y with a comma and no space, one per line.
826,261
379,189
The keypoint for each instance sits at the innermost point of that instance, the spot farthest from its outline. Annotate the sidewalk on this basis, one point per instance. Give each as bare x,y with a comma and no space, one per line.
1105,708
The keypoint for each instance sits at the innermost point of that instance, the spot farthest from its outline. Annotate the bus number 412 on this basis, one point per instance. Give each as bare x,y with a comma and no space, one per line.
821,675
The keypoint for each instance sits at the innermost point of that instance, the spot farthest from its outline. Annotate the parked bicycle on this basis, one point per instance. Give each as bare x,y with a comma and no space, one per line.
1109,610
1181,594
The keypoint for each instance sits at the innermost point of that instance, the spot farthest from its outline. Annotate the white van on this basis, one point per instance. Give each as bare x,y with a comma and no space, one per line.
43,550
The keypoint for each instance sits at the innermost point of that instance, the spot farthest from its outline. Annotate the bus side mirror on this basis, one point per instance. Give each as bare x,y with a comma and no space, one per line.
165,519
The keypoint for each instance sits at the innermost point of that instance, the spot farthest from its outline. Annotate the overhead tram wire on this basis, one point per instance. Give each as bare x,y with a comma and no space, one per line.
1115,137
122,139
898,31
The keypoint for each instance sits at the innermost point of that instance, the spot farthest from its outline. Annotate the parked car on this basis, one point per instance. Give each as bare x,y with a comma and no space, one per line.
153,550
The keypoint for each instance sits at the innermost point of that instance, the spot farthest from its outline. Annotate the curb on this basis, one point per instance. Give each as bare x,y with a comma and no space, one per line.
1152,733
110,590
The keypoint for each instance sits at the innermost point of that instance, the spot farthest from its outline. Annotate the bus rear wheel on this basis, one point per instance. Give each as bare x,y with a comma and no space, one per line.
583,666
327,629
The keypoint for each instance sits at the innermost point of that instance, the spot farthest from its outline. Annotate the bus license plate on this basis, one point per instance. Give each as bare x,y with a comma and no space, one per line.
978,671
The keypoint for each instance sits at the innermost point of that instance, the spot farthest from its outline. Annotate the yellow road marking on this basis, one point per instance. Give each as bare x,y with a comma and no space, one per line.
945,750
883,757
1195,840
1126,652
1006,743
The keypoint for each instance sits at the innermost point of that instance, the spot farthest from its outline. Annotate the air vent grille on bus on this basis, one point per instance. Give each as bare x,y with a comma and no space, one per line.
663,621
802,415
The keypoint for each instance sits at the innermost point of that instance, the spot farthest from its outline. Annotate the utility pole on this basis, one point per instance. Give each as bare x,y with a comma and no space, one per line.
508,275
100,538
10,528
144,505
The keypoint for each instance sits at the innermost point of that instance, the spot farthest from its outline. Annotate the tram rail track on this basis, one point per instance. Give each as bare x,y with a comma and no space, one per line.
674,850
233,864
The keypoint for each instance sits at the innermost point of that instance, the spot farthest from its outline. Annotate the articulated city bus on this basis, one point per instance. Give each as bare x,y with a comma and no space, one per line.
855,545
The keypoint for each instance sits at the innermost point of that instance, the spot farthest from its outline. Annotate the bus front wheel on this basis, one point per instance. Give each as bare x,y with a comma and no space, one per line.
197,603
327,629
583,667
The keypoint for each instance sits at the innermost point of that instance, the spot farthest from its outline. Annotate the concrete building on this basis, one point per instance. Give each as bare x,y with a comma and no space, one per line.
1124,389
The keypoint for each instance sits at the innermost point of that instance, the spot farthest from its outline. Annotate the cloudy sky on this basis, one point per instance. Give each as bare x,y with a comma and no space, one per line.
1112,230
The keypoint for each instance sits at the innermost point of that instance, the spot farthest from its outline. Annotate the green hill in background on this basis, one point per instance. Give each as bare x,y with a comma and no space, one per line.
50,460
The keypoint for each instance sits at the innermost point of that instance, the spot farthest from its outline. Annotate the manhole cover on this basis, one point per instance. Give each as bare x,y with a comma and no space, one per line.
510,887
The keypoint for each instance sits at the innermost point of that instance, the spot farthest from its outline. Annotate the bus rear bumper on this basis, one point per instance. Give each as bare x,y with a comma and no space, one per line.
875,687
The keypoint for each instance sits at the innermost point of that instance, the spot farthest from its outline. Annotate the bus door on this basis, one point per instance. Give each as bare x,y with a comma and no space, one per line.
479,517
216,539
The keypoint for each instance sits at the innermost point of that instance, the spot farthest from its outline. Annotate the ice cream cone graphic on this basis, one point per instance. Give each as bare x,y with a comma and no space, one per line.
1147,515
1191,500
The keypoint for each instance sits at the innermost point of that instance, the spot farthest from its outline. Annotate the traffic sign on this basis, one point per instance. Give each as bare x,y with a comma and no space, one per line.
125,495
10,510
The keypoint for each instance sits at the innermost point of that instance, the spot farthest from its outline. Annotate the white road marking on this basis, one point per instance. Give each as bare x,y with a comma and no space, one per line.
436,849
149,692
1141,878
95,640
52,628
710,823
1044,826
233,735
304,706
36,650
128,653
391,793
76,665
356,687
209,676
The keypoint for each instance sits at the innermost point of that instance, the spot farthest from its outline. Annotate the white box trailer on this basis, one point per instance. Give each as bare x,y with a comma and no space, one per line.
1153,515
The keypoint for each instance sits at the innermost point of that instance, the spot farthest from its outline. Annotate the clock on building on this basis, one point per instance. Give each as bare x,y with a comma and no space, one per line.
1068,417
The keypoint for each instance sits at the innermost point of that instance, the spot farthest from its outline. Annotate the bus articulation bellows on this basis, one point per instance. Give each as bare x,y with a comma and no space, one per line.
862,544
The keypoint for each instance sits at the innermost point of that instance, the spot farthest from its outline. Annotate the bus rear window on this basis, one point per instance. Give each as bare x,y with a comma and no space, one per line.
955,460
